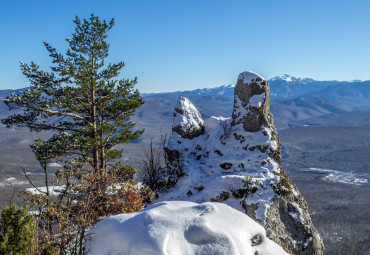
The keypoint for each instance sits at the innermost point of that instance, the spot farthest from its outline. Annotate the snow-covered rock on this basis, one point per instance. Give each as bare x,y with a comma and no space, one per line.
187,121
181,228
237,161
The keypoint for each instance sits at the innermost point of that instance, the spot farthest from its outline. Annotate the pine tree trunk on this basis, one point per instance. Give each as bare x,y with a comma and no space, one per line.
93,117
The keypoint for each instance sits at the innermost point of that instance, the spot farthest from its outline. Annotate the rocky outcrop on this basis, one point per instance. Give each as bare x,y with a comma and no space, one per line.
252,108
287,219
237,161
251,102
187,121
289,224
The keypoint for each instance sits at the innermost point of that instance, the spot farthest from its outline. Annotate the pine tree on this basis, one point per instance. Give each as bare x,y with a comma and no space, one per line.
16,231
88,109
80,99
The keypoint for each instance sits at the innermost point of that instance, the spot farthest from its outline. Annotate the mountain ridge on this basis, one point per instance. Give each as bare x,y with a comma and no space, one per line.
288,87
282,86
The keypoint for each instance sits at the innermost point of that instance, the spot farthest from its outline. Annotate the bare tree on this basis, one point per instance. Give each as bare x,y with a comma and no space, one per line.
151,166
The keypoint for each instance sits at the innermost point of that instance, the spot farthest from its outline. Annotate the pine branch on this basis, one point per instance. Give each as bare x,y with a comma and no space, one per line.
45,126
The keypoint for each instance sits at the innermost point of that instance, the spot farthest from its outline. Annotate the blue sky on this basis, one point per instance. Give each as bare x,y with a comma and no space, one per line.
181,45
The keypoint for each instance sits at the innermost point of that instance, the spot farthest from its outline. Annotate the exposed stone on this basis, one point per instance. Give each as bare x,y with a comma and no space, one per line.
284,229
240,193
226,165
218,152
199,188
250,210
295,236
256,240
172,155
252,110
222,197
252,94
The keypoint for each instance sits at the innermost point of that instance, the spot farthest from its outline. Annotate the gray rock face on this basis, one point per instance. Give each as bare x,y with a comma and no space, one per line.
288,222
287,219
237,161
252,108
252,94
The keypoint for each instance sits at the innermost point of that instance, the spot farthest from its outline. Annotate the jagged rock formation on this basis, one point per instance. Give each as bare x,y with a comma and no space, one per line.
189,122
237,161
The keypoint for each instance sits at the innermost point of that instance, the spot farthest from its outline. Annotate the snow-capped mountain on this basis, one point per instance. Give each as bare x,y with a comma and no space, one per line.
351,92
287,78
224,90
288,87
282,86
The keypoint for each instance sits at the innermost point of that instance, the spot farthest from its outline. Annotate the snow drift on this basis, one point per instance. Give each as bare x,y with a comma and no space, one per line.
180,228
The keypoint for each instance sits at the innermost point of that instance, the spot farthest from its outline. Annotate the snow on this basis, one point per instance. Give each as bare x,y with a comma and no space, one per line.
341,176
348,178
53,190
204,155
190,116
296,213
249,76
285,77
180,228
257,100
219,90
12,181
290,79
54,165
217,126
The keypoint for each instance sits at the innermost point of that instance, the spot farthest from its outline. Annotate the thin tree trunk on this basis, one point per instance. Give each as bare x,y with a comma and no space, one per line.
46,172
102,151
93,117
82,236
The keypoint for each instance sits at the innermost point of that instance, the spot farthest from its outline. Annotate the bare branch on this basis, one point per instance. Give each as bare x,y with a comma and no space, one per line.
29,180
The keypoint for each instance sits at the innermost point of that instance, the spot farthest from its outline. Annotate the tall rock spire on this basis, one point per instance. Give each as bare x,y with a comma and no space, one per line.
252,102
237,161
252,109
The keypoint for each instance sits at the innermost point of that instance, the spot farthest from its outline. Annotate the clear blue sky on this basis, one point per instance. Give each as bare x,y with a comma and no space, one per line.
181,45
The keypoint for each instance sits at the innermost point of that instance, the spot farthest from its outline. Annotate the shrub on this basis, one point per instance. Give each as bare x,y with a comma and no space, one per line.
17,231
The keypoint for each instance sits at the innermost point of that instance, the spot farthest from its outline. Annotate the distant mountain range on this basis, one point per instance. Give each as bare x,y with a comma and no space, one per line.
283,87
288,87
292,100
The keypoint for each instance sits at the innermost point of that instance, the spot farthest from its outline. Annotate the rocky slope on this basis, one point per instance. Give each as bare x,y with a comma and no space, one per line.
237,161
